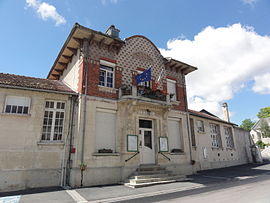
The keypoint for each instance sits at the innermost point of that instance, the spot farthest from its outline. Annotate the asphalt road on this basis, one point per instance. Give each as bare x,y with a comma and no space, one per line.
246,183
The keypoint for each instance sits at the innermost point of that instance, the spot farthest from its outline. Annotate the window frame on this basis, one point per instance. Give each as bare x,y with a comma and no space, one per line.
200,129
108,65
215,136
228,137
174,98
23,107
54,111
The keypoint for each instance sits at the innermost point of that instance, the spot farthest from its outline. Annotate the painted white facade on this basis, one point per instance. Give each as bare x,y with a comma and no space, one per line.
256,133
26,161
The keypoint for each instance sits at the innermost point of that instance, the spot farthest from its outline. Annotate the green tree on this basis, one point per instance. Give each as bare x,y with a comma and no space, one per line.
265,129
247,124
264,112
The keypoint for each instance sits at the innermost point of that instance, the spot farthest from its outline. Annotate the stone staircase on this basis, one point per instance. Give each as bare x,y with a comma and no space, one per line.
147,175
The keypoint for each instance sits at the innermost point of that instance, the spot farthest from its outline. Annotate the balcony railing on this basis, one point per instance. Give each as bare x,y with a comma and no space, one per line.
142,91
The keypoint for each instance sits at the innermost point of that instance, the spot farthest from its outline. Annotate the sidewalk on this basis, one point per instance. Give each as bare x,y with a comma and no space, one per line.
204,180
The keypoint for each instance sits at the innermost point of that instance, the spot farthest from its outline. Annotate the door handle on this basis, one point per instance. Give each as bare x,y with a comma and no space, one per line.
140,143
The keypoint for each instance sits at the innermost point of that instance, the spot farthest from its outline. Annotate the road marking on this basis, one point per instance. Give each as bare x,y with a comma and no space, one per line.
10,199
115,199
76,196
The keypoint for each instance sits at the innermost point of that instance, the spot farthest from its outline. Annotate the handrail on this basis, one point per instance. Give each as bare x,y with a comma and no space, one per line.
132,156
165,156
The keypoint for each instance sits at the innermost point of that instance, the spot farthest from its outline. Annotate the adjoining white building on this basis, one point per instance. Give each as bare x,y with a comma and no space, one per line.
256,132
90,123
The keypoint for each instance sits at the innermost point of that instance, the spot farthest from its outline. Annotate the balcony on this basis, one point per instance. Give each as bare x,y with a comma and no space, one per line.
142,92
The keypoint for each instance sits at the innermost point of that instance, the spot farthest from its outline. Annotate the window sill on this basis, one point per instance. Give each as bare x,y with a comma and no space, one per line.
51,143
15,114
230,149
107,89
217,148
105,154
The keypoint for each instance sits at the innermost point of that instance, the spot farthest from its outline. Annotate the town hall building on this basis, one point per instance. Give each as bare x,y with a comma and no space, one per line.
93,122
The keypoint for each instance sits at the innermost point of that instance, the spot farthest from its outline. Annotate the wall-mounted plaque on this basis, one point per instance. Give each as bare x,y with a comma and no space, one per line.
163,144
132,143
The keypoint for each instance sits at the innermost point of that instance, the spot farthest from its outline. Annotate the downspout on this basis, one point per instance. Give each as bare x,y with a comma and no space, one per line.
73,102
84,110
188,124
64,164
189,139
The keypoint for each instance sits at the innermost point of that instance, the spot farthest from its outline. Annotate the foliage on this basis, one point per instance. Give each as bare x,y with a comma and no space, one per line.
265,129
247,124
260,143
264,112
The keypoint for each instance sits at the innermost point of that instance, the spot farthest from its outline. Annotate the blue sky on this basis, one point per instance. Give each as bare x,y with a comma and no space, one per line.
226,39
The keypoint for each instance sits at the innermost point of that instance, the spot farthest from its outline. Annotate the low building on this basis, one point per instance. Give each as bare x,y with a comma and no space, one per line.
217,143
114,123
35,122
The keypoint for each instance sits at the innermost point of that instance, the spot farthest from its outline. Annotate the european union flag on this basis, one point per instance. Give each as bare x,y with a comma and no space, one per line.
144,76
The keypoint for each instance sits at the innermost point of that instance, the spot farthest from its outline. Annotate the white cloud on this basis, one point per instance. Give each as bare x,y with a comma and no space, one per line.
46,11
262,84
227,58
250,2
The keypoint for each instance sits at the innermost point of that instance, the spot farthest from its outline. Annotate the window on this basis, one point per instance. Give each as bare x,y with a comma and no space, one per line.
228,137
174,131
200,125
171,88
193,140
53,122
17,105
215,135
106,76
105,130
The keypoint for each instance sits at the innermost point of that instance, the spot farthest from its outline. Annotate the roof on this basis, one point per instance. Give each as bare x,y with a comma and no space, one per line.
74,41
31,83
205,114
80,33
183,67
258,123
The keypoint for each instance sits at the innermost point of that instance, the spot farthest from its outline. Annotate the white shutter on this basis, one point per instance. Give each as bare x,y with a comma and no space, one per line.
18,101
171,88
174,134
105,130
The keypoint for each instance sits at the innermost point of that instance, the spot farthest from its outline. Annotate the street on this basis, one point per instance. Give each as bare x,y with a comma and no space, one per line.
246,183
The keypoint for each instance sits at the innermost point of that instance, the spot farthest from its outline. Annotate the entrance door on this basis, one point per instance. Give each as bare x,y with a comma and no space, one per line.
147,151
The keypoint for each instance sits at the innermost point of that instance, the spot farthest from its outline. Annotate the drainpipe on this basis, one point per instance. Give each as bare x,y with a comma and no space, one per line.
69,135
188,124
189,138
84,110
73,102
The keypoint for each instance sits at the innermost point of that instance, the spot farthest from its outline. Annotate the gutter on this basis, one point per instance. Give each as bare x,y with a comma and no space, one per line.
39,90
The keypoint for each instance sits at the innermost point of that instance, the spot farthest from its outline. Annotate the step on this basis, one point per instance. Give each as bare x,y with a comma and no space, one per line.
150,176
148,184
151,172
151,168
149,180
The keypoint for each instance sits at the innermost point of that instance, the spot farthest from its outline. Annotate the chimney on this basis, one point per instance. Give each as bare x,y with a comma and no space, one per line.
113,32
226,112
